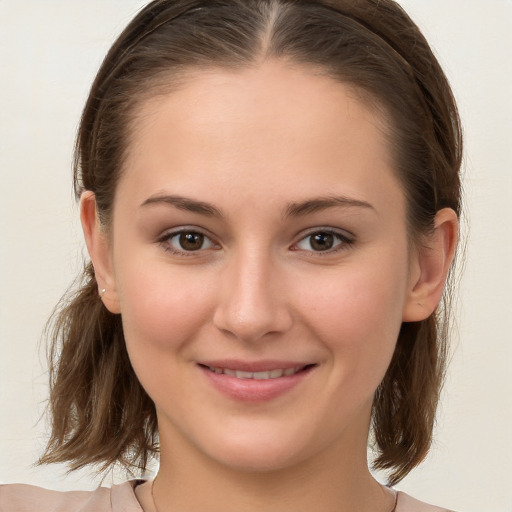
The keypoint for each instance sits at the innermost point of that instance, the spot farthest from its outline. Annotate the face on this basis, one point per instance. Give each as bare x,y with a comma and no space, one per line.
259,258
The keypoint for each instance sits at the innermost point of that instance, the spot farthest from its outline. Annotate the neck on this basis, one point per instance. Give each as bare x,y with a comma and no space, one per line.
335,480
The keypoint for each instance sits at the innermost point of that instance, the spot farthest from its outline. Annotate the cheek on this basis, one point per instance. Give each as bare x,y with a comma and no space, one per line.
356,303
357,315
161,307
162,312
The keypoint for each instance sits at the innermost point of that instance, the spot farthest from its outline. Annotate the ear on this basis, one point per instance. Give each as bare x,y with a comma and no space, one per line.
430,267
98,247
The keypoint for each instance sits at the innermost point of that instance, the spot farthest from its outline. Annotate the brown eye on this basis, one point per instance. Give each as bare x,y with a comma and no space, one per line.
191,241
186,241
324,241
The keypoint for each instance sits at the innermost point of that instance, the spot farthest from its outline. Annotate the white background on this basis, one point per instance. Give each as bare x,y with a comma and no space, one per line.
49,53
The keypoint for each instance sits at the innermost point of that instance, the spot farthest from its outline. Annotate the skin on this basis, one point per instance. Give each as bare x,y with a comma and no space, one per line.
254,144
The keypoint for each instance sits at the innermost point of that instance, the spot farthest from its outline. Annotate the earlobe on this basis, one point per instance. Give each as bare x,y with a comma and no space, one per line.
99,251
430,268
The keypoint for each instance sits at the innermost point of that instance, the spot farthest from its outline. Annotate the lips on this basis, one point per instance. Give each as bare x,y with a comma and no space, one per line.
263,375
255,381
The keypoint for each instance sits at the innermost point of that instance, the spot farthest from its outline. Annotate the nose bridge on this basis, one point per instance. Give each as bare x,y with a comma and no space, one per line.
250,303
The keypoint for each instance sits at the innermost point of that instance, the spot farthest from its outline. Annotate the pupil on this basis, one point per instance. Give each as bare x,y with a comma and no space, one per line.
322,241
191,241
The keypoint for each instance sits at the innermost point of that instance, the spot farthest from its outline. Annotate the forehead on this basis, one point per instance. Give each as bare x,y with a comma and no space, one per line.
270,124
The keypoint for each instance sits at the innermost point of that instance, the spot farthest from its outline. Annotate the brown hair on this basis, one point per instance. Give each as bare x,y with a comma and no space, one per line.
100,412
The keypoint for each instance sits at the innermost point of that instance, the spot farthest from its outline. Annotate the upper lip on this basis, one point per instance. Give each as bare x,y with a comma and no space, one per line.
254,366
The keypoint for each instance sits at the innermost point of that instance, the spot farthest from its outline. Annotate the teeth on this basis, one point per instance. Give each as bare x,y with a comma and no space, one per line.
268,375
243,375
272,374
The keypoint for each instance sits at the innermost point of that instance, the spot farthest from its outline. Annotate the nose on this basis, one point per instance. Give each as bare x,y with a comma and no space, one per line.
252,299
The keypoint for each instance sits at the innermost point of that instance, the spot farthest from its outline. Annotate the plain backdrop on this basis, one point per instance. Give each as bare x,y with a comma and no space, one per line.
49,53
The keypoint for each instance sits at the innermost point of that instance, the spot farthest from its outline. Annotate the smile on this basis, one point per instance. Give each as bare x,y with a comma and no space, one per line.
265,375
255,382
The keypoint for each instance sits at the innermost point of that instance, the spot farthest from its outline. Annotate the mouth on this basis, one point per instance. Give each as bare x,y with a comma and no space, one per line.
276,373
255,382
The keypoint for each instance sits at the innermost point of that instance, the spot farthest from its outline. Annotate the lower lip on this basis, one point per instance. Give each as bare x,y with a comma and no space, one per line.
254,390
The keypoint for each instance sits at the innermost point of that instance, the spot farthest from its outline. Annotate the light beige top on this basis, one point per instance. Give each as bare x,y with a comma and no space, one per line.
118,498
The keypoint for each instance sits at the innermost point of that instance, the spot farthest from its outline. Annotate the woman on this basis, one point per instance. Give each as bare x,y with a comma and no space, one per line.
269,195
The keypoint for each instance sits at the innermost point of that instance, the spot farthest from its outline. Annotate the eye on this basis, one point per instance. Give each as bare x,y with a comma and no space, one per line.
323,241
186,241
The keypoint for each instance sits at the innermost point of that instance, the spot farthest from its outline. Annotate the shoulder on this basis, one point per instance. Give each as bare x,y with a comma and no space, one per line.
406,503
29,498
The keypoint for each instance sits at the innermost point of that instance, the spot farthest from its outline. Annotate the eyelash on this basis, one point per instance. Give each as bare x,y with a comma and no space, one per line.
165,241
341,241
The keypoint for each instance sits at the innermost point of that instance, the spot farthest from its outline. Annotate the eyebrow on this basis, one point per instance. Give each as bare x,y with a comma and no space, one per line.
292,210
323,203
184,203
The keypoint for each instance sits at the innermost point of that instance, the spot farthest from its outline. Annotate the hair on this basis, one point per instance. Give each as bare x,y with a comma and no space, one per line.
99,411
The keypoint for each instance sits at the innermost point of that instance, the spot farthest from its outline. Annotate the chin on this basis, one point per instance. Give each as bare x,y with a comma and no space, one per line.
254,450
257,459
